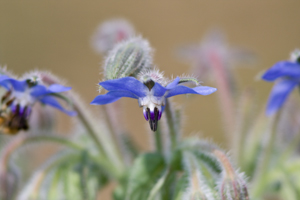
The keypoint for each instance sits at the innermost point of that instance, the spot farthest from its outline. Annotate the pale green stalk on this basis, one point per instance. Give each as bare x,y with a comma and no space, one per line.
173,128
260,176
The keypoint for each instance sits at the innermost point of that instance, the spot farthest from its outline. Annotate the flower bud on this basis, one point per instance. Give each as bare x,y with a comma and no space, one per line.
232,185
110,33
234,189
128,59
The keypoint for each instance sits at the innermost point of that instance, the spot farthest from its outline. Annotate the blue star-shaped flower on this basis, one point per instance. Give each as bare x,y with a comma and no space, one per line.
150,94
288,75
21,96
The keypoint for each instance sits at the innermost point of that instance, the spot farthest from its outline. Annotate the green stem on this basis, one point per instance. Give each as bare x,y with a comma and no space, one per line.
173,130
158,142
89,129
120,149
24,139
266,159
290,149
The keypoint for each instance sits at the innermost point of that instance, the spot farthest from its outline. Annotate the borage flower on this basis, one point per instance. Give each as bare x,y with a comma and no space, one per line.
19,99
151,94
288,75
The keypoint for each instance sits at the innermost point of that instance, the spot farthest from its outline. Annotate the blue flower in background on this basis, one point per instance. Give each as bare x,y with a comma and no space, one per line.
150,94
21,95
288,75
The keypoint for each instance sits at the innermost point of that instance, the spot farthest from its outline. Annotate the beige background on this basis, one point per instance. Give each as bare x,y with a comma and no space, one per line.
55,36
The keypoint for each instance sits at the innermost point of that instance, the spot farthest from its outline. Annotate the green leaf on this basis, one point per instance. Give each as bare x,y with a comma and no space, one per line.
145,172
181,186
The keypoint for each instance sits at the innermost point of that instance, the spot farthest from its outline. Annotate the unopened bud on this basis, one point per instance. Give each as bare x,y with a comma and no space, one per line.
234,188
128,58
233,185
110,33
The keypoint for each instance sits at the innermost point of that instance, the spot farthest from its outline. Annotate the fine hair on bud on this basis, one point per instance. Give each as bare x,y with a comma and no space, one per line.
232,185
128,58
154,75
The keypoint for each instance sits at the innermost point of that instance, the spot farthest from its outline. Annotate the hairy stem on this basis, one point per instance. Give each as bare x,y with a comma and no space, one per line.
158,141
113,124
89,128
105,145
24,139
225,94
171,121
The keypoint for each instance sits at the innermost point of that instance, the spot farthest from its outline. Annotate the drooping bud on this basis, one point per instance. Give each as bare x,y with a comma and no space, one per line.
128,59
232,185
111,32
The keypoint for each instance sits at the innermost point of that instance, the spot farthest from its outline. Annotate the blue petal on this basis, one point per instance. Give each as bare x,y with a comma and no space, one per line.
41,90
173,84
3,77
51,101
181,89
17,85
283,68
38,90
128,84
56,88
278,95
111,97
158,90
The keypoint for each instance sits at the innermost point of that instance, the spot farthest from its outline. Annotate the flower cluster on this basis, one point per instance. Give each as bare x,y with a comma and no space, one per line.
100,151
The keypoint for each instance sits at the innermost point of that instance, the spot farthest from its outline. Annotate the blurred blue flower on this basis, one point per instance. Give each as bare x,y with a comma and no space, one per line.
21,95
288,75
150,94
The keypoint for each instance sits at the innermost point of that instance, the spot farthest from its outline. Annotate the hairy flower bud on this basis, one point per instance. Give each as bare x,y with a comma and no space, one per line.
233,189
111,32
128,59
232,185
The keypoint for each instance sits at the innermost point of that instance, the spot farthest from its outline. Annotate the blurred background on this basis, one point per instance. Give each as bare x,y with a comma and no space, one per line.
56,36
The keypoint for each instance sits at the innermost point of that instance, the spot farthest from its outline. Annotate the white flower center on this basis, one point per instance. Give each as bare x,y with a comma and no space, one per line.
150,101
23,98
